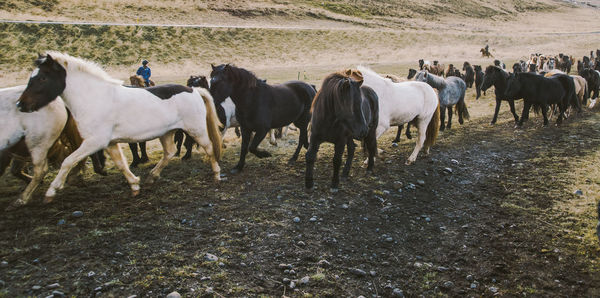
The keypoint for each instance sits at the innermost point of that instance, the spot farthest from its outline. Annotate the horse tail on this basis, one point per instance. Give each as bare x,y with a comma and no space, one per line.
212,123
433,128
462,109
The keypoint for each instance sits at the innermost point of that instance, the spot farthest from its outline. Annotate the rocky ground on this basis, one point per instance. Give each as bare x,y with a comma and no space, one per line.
492,211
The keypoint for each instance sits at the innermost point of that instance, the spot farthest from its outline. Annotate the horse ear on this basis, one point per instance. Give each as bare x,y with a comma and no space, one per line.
348,72
212,66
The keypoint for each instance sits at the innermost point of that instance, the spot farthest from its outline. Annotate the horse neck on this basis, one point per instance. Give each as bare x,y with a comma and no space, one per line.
84,92
501,81
436,82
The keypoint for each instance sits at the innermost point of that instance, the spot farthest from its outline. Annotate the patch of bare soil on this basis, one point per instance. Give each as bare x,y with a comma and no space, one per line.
477,217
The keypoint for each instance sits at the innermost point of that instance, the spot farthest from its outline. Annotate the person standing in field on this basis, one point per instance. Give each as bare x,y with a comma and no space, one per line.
145,72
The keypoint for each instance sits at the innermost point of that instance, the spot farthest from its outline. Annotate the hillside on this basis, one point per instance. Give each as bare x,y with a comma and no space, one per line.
291,35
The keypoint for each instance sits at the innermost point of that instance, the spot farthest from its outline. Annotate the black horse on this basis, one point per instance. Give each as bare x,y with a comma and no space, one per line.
542,92
593,79
411,73
517,67
343,110
478,80
497,77
260,107
469,74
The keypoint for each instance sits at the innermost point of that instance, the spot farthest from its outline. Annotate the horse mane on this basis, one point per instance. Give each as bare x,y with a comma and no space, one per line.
494,68
136,81
438,81
71,63
328,99
369,72
244,78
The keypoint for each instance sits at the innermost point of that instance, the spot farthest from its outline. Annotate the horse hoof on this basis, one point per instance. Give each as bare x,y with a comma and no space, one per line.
235,170
150,180
135,193
145,159
14,205
291,161
262,154
48,199
408,162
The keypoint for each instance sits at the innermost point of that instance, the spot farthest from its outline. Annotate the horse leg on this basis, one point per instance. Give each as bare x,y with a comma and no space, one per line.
311,156
87,147
168,152
246,135
422,127
302,141
17,170
351,149
497,110
178,138
204,141
258,137
449,126
272,139
525,113
134,155
5,158
337,162
371,143
40,168
398,134
116,154
511,104
545,114
99,161
189,146
408,135
144,158
442,118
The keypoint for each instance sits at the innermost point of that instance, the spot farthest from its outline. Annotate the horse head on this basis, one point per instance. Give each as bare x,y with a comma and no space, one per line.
490,77
197,81
411,73
47,82
341,97
221,82
136,81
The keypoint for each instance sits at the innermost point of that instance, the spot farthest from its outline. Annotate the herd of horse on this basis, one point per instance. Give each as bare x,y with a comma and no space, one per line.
353,104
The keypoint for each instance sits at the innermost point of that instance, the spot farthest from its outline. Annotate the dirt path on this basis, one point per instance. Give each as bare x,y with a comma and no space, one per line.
487,212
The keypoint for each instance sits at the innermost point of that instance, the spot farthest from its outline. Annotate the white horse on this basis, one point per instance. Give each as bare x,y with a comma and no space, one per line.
39,129
400,103
108,113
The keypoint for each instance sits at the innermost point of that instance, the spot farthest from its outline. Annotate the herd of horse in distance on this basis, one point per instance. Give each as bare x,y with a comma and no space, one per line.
352,104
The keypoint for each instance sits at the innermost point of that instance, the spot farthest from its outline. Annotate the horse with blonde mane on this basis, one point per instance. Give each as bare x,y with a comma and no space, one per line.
103,109
400,103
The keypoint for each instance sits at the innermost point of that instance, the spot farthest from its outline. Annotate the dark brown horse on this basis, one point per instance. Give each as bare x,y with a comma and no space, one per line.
343,110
